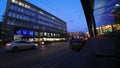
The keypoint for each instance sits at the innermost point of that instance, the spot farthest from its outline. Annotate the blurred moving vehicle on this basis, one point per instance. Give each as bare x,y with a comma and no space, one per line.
76,43
18,45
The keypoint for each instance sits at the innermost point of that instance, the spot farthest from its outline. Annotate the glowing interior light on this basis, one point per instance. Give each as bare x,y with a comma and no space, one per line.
41,12
117,5
13,1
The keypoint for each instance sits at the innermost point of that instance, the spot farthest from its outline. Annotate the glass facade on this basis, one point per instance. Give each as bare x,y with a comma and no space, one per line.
107,15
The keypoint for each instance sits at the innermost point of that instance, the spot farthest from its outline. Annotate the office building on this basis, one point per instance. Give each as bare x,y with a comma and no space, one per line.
25,21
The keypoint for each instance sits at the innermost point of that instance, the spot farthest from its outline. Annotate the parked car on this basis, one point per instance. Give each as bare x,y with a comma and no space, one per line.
18,45
76,43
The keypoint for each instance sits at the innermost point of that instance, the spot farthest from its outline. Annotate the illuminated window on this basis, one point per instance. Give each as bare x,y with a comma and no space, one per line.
28,7
41,12
117,5
16,2
25,6
45,34
20,3
48,34
51,34
13,1
53,17
54,34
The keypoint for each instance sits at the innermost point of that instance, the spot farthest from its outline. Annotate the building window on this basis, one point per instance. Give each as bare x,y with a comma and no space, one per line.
19,9
23,4
27,6
41,12
16,2
52,34
11,6
17,16
36,33
48,34
45,34
13,14
53,18
21,17
20,3
13,1
41,33
10,14
8,22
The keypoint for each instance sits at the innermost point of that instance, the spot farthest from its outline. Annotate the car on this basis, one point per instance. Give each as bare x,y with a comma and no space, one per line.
18,45
76,43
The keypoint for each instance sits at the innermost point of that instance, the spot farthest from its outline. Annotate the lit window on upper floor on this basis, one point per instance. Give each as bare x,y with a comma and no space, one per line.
53,18
20,3
41,12
13,1
23,4
16,2
27,6
117,5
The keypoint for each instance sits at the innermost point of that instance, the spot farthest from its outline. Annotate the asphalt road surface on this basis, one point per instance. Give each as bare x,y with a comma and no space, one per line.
45,56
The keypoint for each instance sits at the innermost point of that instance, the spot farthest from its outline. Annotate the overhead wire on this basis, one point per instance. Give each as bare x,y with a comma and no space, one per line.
64,15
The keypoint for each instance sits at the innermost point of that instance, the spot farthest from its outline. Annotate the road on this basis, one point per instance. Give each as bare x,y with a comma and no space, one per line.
44,56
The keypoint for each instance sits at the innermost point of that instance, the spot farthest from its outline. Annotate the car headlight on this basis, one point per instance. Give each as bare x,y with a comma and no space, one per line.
36,44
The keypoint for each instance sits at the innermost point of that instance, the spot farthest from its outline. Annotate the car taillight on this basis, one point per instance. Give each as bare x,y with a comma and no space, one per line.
8,44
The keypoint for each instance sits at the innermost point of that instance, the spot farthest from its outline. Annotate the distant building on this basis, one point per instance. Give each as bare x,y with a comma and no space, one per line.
76,34
25,21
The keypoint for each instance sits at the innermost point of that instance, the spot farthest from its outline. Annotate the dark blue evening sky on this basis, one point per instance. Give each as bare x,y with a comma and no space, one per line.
69,11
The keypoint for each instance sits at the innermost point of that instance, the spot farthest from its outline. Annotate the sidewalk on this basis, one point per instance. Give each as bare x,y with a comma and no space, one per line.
95,54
